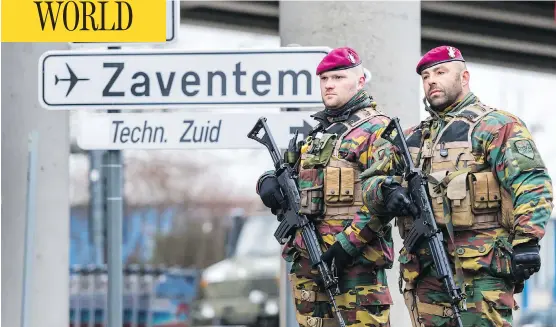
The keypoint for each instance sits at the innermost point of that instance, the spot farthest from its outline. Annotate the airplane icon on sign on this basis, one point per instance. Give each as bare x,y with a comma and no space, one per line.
73,79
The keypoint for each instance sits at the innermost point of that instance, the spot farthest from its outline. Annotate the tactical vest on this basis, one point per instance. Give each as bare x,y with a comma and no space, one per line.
329,186
464,192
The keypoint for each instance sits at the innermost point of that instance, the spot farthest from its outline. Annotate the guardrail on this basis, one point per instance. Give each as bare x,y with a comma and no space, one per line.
152,296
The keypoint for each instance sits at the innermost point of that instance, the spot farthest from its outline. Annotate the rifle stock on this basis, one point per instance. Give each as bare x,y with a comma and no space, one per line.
424,226
291,220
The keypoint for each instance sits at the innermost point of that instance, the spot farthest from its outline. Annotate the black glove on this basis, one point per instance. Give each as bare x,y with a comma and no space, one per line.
397,200
525,261
270,193
337,253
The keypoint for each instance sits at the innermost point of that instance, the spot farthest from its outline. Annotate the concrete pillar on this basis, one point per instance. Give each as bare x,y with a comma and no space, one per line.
21,114
386,34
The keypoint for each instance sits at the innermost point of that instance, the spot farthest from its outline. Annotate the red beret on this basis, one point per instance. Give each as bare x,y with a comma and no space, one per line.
437,56
339,59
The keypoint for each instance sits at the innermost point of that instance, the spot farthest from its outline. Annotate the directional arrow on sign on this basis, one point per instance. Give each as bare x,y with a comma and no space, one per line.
183,130
303,130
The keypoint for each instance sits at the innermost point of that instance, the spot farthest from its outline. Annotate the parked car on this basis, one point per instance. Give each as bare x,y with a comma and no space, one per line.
244,288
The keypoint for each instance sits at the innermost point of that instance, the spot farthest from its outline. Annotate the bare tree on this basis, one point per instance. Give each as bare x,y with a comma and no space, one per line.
197,199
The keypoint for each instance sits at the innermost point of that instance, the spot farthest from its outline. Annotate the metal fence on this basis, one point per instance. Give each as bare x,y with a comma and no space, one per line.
152,296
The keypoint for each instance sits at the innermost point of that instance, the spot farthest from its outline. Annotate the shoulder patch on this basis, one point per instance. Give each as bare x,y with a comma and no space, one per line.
523,156
525,148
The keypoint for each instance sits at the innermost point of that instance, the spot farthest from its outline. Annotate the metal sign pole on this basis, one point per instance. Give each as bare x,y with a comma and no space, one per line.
96,214
30,218
112,167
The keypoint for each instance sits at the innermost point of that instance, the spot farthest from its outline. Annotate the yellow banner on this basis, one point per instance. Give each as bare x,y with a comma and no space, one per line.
84,21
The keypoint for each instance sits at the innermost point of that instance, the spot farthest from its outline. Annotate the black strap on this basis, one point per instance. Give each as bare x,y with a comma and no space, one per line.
337,128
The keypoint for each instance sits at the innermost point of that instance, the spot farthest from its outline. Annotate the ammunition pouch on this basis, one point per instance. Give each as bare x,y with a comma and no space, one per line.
490,200
334,191
451,189
486,193
339,186
318,151
331,186
314,158
328,185
342,189
474,199
311,184
469,196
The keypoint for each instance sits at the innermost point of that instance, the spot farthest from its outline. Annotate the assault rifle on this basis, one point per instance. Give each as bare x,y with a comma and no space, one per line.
424,225
290,219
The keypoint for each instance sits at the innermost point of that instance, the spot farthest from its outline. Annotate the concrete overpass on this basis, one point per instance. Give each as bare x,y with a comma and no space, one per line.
509,33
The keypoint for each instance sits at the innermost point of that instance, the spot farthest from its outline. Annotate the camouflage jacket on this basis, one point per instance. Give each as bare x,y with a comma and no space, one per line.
367,246
524,176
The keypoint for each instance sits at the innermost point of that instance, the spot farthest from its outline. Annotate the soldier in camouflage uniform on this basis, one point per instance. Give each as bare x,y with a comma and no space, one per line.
490,193
329,164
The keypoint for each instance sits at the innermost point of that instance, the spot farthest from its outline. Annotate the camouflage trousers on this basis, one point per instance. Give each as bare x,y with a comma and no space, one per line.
364,300
489,302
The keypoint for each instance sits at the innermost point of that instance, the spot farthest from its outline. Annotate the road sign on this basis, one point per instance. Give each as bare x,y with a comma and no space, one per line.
185,130
172,29
171,78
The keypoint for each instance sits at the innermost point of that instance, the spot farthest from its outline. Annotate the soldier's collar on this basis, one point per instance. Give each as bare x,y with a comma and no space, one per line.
320,116
457,108
327,123
327,120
